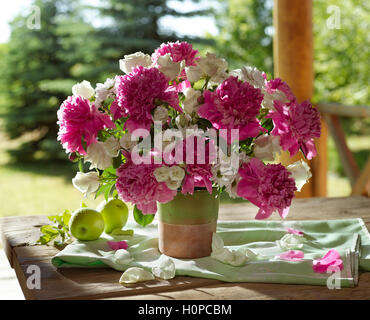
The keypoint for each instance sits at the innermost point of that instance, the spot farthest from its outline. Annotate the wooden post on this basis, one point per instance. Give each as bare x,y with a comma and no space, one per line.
293,63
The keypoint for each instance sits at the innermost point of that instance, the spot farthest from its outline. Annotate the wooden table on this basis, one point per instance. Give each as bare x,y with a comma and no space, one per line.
18,232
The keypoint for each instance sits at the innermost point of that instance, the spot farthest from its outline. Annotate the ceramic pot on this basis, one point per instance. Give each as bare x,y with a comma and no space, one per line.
186,224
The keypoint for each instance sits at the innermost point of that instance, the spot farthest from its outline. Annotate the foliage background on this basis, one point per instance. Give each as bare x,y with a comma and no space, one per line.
79,41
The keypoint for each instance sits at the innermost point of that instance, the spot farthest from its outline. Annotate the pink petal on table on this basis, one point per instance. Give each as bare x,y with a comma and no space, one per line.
331,259
295,231
116,245
291,255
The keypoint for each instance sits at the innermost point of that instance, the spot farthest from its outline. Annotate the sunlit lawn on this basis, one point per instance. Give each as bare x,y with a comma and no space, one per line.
47,188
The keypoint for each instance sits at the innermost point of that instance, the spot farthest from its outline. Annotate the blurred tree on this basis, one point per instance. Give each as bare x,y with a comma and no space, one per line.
38,75
245,33
131,26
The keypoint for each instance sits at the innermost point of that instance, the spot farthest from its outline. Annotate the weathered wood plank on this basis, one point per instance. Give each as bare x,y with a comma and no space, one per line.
362,182
344,110
263,291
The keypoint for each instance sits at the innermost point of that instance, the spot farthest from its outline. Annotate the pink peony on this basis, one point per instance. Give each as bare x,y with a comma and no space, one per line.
138,185
179,51
137,93
270,187
296,124
79,119
234,105
278,84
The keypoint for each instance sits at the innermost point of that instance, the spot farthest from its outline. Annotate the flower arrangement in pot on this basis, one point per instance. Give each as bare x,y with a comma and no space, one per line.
177,129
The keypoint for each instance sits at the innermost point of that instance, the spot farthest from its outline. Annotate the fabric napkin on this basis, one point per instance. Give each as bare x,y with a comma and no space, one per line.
349,237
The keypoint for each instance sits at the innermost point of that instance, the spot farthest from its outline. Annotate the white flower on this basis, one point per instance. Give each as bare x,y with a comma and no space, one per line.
269,98
291,242
191,99
213,67
160,114
176,173
86,183
165,270
83,89
112,146
251,75
134,60
162,173
193,73
97,155
169,68
173,185
126,142
266,147
104,90
135,274
231,189
300,172
224,255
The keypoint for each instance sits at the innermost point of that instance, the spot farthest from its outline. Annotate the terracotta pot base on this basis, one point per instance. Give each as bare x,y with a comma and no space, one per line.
186,241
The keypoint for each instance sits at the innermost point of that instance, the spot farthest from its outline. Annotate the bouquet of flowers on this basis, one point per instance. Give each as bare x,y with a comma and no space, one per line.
176,121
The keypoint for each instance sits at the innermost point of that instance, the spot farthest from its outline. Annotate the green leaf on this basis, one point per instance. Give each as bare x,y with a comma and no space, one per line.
142,219
117,161
83,205
66,217
49,230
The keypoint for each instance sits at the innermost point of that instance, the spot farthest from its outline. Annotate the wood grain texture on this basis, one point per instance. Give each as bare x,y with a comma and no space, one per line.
103,283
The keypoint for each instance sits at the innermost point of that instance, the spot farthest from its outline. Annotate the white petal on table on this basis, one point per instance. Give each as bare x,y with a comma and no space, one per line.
165,270
134,275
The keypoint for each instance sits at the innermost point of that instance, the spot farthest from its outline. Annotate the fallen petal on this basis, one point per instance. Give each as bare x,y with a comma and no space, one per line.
116,245
165,270
330,259
295,231
291,255
123,257
134,275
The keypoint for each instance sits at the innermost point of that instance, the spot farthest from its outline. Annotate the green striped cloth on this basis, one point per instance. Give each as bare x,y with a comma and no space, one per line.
348,236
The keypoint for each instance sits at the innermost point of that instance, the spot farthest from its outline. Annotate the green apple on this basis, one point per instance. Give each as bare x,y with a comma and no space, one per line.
86,224
115,214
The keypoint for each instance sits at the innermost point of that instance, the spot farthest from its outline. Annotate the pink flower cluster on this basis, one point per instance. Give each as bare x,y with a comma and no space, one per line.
270,187
234,105
179,51
296,124
79,119
138,185
137,93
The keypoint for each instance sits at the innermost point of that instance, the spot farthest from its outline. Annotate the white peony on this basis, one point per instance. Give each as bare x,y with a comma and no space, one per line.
133,60
162,173
269,98
160,114
97,155
86,183
126,142
191,100
266,147
112,146
173,185
169,68
251,75
193,73
300,172
83,89
213,67
104,90
176,173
